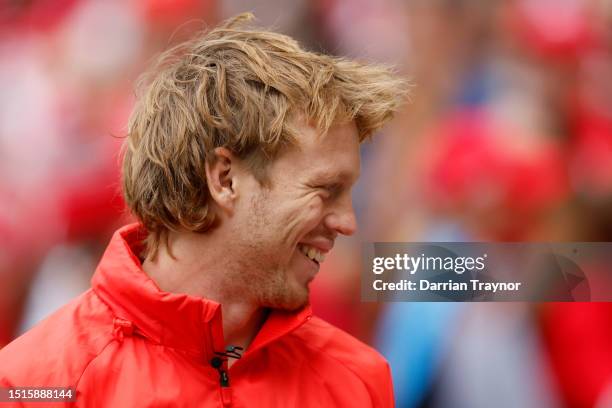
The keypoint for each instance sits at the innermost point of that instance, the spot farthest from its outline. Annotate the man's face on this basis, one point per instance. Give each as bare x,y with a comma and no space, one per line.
284,230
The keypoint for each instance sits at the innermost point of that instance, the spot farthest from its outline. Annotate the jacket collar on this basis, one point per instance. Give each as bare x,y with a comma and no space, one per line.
184,322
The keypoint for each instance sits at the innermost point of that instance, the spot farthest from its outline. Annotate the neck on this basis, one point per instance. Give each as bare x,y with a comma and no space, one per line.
195,268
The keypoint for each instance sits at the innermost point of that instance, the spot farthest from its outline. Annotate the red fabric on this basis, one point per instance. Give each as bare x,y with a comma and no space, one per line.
125,343
35,15
578,337
592,151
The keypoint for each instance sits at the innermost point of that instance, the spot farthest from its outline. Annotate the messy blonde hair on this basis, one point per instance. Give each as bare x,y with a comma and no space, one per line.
240,88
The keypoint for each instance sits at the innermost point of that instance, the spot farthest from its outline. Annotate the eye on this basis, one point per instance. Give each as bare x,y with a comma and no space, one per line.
332,189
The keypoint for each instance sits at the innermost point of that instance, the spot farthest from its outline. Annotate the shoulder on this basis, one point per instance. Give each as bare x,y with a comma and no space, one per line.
57,350
346,349
360,361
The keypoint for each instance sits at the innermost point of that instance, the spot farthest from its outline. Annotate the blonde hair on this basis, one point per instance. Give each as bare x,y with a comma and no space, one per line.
241,88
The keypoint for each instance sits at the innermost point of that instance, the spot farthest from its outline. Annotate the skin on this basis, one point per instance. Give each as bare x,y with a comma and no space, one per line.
251,262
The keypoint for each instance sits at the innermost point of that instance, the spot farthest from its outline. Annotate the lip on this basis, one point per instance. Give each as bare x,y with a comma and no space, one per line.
321,245
311,270
311,261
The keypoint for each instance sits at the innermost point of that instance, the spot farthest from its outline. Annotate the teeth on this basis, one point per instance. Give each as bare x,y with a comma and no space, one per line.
312,253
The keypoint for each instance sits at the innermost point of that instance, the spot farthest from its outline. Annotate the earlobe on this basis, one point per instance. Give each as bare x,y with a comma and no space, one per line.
220,176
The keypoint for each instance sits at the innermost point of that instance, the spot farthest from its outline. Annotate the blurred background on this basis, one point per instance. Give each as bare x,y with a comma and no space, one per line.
508,137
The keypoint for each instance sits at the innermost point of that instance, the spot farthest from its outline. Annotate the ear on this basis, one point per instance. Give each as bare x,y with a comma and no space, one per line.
221,178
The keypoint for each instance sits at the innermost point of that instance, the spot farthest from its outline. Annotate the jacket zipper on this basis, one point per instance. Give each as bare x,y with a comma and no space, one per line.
224,382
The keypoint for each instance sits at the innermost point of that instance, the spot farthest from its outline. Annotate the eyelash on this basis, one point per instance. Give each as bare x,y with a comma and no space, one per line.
332,189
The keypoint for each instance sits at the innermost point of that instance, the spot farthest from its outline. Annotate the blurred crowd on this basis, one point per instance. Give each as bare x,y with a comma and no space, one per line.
508,137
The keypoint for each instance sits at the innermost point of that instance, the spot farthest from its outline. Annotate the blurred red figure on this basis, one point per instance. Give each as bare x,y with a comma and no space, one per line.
579,336
481,172
559,35
579,342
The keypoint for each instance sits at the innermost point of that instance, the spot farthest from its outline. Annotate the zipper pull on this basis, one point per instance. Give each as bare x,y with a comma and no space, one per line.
224,379
217,363
226,391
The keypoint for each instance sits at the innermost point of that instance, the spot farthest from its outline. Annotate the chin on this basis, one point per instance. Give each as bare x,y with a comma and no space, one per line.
291,300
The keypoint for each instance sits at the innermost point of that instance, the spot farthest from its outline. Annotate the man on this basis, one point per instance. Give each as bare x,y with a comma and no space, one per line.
239,163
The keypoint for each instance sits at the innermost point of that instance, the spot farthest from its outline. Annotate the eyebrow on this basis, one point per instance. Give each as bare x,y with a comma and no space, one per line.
344,176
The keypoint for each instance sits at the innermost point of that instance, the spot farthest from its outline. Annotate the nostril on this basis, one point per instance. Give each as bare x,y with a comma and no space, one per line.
348,225
338,224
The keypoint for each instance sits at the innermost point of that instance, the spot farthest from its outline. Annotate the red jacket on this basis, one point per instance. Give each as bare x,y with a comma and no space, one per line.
125,343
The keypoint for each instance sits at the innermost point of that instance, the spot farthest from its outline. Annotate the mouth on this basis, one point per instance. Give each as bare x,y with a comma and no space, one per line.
313,254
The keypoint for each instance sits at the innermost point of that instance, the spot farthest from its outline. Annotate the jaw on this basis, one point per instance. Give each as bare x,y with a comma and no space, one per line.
290,291
302,269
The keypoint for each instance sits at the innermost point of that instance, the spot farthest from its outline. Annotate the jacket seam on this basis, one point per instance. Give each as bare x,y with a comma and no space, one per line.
185,353
101,299
76,386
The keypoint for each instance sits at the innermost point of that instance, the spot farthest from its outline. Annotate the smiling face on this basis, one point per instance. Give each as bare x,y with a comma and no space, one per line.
284,230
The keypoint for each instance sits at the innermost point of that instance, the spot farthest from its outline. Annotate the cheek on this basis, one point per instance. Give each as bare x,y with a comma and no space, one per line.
311,212
305,216
315,206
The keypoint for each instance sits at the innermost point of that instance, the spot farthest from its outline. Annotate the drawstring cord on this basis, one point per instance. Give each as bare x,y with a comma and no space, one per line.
231,352
122,328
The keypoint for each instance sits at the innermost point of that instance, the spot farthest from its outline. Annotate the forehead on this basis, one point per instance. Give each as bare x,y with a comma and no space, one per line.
334,154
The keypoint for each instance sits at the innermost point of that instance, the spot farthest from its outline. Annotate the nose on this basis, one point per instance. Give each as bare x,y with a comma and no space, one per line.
342,219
